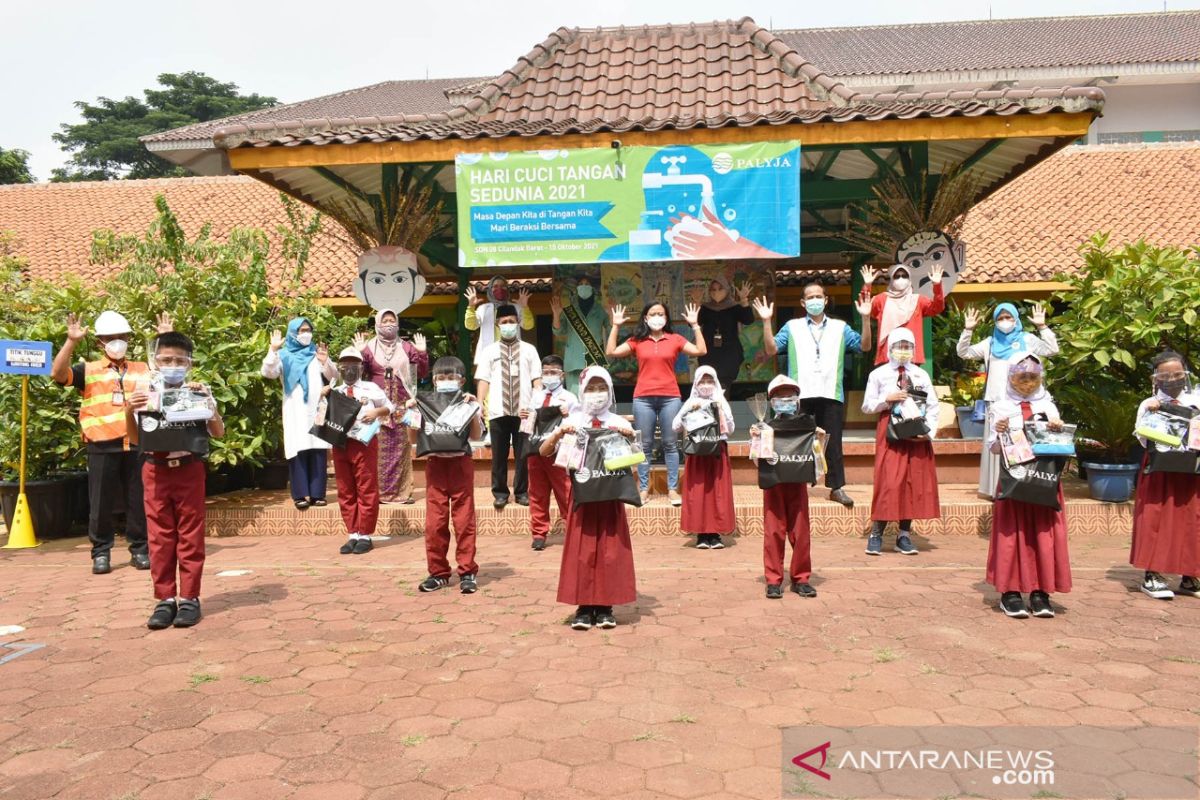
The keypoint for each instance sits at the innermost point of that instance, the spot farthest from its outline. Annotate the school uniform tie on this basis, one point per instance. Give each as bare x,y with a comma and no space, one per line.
596,422
1026,410
350,392
902,380
546,402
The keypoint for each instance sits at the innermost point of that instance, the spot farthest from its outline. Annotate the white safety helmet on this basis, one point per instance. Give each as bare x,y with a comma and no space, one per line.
110,323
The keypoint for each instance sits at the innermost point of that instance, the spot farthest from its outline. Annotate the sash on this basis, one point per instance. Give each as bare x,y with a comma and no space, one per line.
594,350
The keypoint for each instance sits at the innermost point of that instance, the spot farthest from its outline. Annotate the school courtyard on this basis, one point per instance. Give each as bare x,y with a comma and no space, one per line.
315,675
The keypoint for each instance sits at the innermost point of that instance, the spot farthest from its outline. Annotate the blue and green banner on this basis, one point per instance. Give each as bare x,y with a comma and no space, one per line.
710,202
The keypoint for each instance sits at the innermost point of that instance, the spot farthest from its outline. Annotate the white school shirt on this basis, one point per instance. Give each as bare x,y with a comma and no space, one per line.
558,397
370,395
490,369
298,412
885,379
997,368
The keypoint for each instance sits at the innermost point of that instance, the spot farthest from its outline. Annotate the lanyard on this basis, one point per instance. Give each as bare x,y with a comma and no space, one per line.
817,339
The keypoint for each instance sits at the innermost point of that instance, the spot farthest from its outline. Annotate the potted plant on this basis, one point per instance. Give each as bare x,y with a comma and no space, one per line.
1106,447
965,392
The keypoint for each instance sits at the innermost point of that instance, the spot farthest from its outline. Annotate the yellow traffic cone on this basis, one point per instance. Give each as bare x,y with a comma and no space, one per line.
21,535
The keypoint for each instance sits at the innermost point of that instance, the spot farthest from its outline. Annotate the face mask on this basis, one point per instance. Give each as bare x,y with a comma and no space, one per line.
116,349
595,402
1173,387
508,330
550,383
584,292
899,284
784,405
305,338
902,356
173,376
815,306
656,323
705,390
447,387
388,331
350,374
1006,325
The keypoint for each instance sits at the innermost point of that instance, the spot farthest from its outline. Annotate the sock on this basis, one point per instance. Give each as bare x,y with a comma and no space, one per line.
906,526
877,528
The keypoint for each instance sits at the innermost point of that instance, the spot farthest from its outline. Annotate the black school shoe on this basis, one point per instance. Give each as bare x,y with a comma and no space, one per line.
538,543
319,502
433,583
522,500
189,613
804,589
584,619
347,548
605,618
101,565
1188,586
1039,603
774,591
140,561
702,542
467,584
715,542
163,616
362,545
1013,606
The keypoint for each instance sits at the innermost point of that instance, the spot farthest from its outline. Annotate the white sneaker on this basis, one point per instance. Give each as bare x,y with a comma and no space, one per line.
1156,587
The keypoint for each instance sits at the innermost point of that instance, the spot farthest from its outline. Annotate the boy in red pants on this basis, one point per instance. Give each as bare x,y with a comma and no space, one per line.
785,510
173,476
356,466
545,478
450,481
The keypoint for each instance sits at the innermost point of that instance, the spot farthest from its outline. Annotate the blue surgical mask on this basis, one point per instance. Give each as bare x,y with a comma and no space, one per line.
815,306
584,292
508,330
550,383
448,387
784,405
173,376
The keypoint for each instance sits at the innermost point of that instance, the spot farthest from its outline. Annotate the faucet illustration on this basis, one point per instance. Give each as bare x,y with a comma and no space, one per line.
674,177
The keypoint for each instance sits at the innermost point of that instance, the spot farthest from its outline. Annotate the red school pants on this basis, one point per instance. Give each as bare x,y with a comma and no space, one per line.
785,518
356,468
546,479
450,481
174,500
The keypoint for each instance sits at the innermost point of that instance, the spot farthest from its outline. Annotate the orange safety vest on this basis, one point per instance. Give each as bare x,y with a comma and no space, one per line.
100,419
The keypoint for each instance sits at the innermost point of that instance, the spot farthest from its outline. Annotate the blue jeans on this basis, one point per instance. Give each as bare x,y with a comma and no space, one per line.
647,411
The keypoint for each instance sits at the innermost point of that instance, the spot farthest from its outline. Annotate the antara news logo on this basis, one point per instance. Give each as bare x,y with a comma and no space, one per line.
1009,767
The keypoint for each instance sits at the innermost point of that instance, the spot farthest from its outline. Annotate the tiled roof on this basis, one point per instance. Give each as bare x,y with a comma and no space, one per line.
1029,230
651,78
1161,37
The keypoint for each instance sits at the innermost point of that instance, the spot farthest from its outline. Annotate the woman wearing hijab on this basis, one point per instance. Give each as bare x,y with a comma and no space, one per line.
707,480
906,486
597,560
901,307
392,364
595,319
1027,551
1166,509
303,367
481,312
721,319
1008,341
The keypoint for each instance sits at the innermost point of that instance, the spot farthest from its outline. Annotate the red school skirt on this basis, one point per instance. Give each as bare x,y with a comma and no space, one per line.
905,485
708,494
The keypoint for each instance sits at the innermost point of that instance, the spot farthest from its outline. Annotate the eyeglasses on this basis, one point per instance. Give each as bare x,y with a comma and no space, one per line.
1170,376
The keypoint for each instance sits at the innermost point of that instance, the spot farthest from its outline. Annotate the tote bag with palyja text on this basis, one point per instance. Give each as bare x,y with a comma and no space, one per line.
546,421
792,458
703,439
592,483
443,429
1035,482
340,414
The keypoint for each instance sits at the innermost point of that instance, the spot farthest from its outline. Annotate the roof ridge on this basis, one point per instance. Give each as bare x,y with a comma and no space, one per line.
135,182
1000,21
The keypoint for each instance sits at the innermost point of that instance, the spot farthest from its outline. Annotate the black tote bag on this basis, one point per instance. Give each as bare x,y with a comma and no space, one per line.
899,430
1172,460
704,441
436,437
592,483
1035,483
340,413
792,460
545,423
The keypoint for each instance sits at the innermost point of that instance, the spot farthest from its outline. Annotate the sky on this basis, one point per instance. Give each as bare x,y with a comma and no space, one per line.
52,55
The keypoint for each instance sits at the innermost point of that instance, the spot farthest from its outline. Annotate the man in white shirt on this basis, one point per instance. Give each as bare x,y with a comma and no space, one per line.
506,373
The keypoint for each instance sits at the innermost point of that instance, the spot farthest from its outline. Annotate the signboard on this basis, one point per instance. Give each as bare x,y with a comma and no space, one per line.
25,358
638,204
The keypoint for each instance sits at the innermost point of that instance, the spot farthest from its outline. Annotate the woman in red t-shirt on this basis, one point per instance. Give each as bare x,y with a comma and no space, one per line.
656,398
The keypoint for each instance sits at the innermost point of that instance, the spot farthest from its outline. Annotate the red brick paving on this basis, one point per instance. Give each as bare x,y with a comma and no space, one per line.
326,676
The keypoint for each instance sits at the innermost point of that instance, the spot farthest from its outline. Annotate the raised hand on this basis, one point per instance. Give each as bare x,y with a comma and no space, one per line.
163,323
863,304
556,305
764,309
322,353
971,317
869,274
935,274
1038,314
691,314
618,316
473,297
360,341
419,342
276,340
75,331
743,292
523,298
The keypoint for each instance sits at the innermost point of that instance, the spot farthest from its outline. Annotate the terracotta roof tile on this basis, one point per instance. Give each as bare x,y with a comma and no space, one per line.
1161,37
1029,230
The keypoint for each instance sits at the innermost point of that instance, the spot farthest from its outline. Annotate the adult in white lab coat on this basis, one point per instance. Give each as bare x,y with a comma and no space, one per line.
303,366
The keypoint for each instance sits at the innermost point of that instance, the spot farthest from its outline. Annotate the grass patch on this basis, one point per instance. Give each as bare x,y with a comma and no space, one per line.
255,679
685,719
440,619
649,736
412,740
929,669
883,655
202,677
1183,659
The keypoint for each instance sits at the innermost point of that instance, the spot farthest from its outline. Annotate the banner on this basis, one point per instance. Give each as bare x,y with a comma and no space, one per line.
631,204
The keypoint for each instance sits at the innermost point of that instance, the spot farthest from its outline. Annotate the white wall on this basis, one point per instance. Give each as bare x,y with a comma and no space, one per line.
1166,107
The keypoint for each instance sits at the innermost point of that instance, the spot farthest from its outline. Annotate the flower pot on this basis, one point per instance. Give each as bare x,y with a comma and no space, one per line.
1112,483
50,504
273,475
968,428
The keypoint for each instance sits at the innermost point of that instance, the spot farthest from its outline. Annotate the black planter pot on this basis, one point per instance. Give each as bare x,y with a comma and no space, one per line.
273,475
216,483
50,504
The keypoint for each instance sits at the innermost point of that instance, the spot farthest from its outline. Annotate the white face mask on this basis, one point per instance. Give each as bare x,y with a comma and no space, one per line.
656,322
1006,325
595,402
551,382
508,331
705,390
584,292
900,284
304,338
116,349
449,387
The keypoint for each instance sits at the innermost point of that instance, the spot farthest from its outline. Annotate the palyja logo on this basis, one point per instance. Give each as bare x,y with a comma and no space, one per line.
722,163
819,770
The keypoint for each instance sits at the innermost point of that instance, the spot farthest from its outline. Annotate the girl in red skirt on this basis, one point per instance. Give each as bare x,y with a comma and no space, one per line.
707,480
1166,510
1027,551
905,486
597,560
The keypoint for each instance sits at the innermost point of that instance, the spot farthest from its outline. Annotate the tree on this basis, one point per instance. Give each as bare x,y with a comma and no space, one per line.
105,145
14,166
